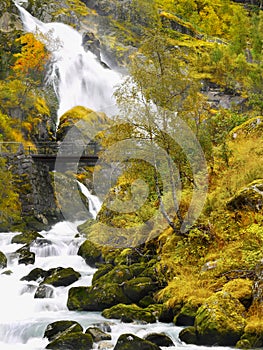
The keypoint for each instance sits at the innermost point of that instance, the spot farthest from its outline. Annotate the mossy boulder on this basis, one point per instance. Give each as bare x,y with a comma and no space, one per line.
118,274
131,342
97,334
188,335
61,277
36,274
96,298
220,320
90,253
102,270
240,289
137,288
160,339
71,341
166,314
186,316
3,260
55,329
248,198
25,256
129,313
26,237
253,334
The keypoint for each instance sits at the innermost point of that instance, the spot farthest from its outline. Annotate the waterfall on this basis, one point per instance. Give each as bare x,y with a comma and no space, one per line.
77,76
94,202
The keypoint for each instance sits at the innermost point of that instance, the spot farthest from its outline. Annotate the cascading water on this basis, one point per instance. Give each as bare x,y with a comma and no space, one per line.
94,202
23,318
77,76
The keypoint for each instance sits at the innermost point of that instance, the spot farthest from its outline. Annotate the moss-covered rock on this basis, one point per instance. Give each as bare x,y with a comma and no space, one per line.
101,271
3,260
248,198
129,313
97,334
220,320
55,329
61,277
26,237
137,288
131,342
44,291
253,334
160,339
186,316
188,335
71,341
240,289
25,256
36,274
96,298
90,253
118,274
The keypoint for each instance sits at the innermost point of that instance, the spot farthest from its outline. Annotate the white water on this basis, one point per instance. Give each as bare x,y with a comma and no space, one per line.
77,76
94,202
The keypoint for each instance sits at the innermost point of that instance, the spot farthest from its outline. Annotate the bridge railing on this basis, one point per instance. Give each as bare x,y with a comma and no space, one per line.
51,148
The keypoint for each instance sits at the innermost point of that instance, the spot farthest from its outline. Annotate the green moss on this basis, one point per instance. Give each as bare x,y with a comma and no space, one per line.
129,313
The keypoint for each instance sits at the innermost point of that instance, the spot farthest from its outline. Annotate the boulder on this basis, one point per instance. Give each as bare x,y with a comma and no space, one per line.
188,335
90,253
159,339
118,274
186,316
253,335
97,334
3,260
220,320
36,274
101,271
57,328
166,315
132,342
71,341
44,291
96,298
61,277
137,288
248,198
25,256
129,313
240,289
26,237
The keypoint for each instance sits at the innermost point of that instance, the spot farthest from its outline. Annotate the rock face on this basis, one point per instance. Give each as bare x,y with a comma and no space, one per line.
131,342
218,321
248,198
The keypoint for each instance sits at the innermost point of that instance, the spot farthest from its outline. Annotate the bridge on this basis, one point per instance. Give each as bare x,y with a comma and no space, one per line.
55,153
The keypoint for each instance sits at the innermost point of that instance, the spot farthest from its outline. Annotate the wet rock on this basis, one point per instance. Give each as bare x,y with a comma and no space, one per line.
3,260
105,326
132,342
159,339
26,237
36,274
220,320
96,298
186,316
129,313
138,288
104,345
61,277
118,274
25,256
90,253
97,334
102,270
188,335
71,341
166,315
57,328
44,291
